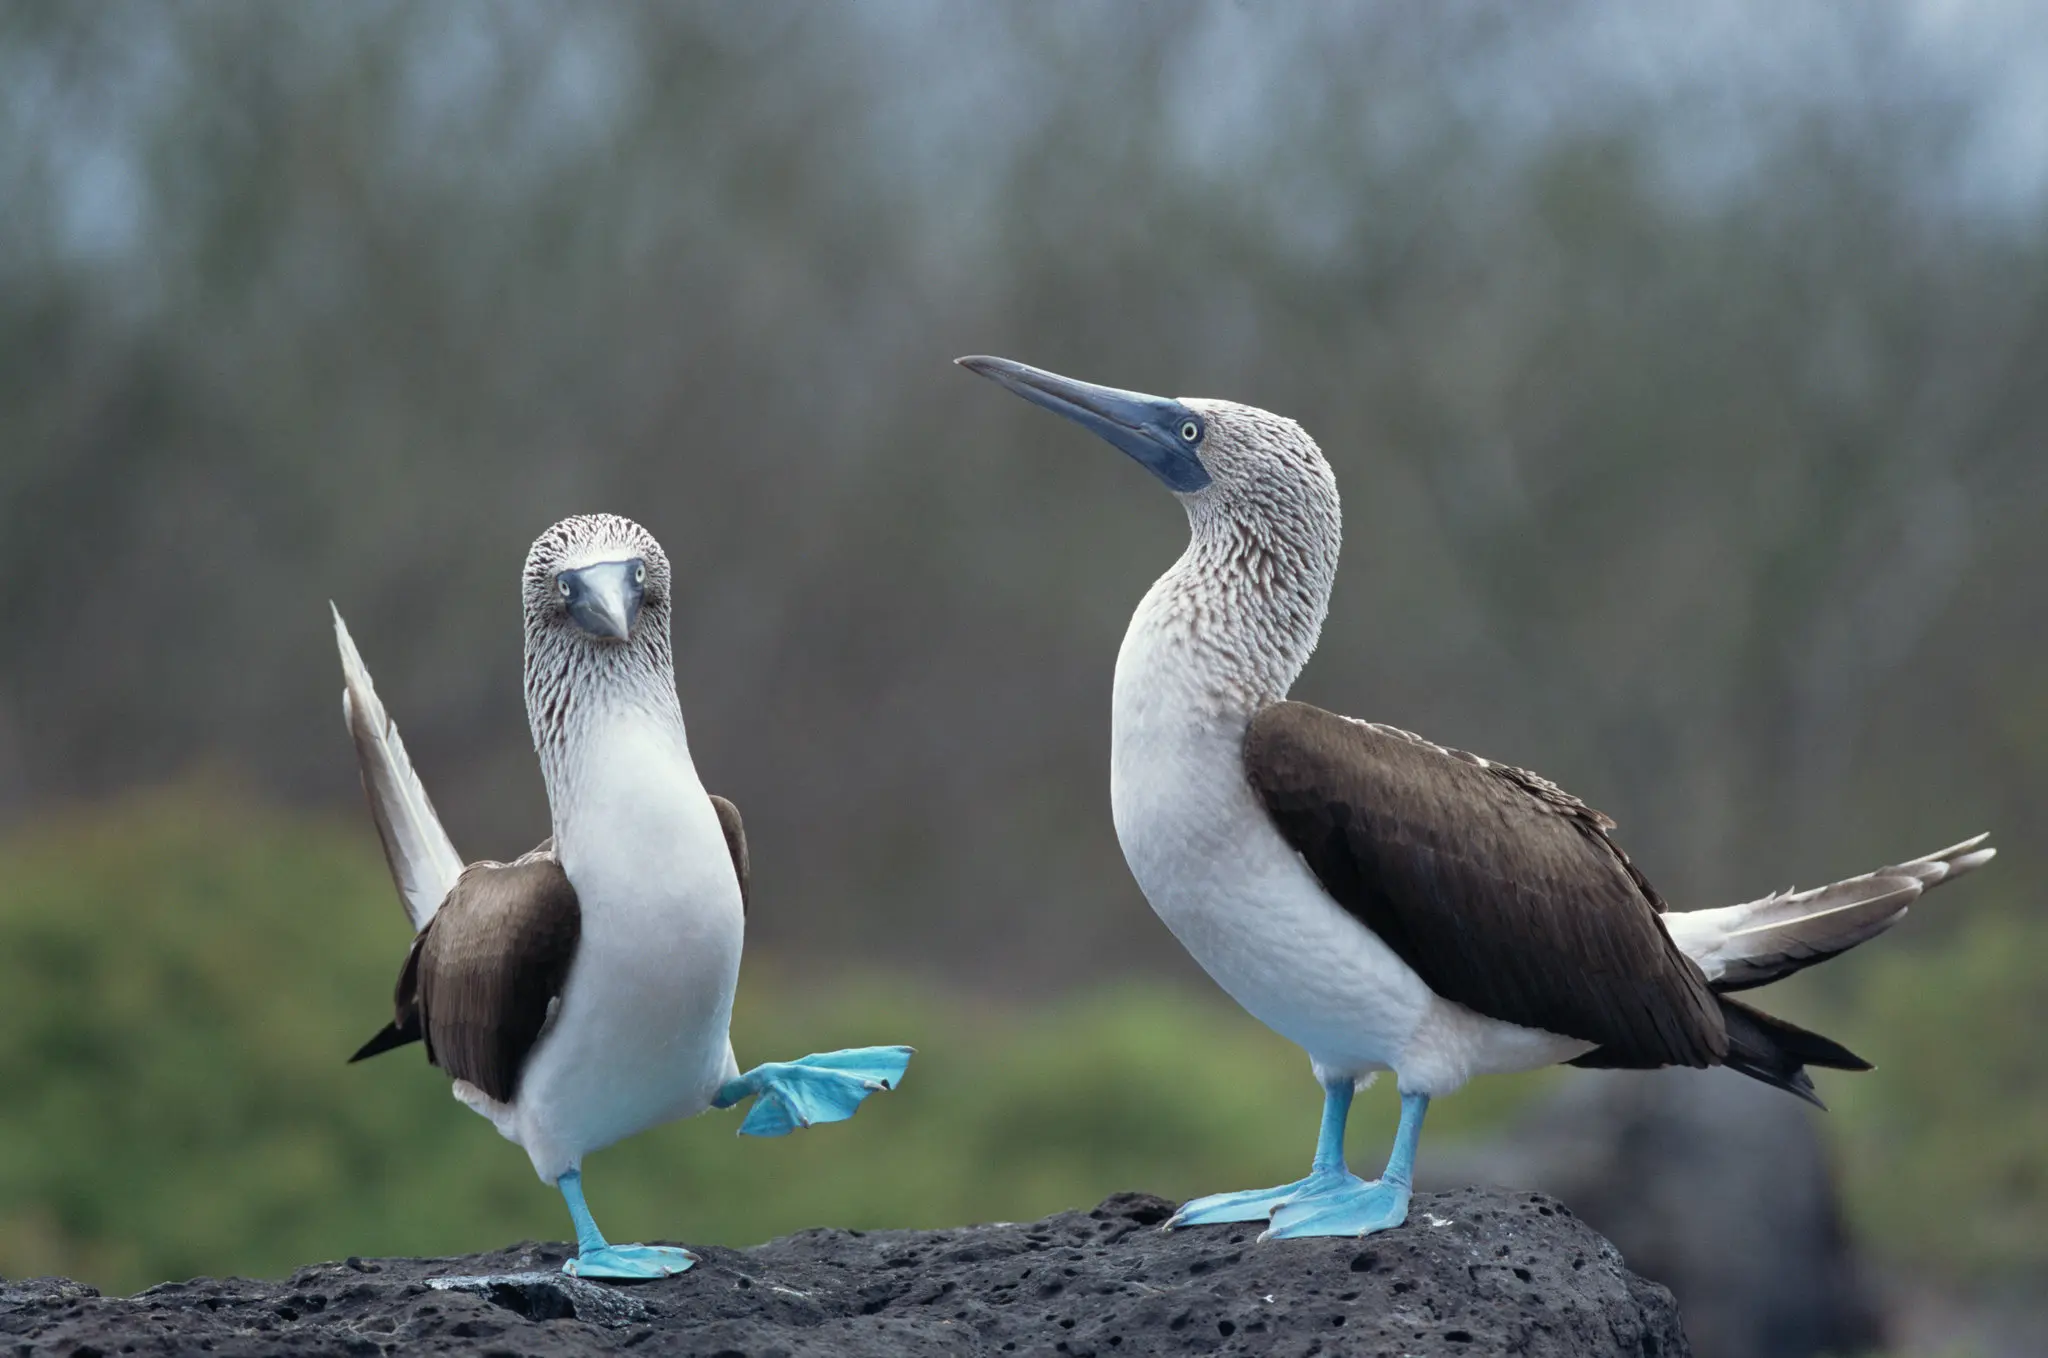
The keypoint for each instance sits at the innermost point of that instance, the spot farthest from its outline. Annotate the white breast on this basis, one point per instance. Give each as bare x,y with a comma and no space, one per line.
641,1037
1246,906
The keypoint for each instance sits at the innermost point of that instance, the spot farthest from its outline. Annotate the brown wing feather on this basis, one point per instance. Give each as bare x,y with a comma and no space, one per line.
405,1023
488,965
735,841
1501,890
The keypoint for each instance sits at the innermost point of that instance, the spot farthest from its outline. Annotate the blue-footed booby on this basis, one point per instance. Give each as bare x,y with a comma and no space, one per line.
583,993
1384,902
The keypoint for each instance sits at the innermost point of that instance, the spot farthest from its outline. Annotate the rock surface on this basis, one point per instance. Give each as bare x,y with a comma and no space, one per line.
1473,1273
1714,1185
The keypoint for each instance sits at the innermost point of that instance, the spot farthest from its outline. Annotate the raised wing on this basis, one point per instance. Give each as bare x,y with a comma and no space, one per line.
1502,891
424,864
735,841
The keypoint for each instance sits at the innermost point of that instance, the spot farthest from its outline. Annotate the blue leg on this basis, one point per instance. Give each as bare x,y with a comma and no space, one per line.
1326,1172
822,1087
1352,1207
597,1259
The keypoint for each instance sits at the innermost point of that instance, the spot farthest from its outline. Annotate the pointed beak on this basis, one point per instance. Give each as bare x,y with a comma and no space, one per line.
1159,433
604,599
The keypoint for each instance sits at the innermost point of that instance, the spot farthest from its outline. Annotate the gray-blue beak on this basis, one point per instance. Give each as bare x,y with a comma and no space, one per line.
1161,434
604,599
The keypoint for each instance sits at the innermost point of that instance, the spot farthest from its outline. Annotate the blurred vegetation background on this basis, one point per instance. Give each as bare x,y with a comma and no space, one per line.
1685,371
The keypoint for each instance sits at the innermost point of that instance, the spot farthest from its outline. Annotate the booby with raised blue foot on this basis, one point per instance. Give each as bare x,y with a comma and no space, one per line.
1384,902
584,992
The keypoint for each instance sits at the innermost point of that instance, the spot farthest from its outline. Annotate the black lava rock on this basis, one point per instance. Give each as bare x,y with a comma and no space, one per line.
1472,1273
1715,1185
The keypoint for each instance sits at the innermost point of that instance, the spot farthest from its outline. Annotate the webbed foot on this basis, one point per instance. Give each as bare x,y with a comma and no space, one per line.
822,1087
1331,1200
1252,1204
628,1262
1352,1206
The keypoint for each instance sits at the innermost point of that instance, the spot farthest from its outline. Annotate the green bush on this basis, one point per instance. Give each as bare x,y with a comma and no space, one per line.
1945,1148
182,978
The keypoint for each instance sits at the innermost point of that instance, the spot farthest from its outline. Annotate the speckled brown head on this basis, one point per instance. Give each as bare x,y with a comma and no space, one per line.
597,596
1266,523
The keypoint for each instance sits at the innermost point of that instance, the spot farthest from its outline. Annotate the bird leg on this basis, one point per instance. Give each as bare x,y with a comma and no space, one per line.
1331,1200
1257,1204
822,1087
596,1258
1352,1206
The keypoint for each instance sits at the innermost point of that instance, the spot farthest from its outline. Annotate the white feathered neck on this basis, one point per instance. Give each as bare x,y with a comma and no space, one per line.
1230,625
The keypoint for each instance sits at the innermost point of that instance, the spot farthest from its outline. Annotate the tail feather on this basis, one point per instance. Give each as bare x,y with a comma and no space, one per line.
424,864
1753,944
1776,1052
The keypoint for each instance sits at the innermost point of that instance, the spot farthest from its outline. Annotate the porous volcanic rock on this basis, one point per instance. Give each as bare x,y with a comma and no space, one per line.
1473,1273
1716,1186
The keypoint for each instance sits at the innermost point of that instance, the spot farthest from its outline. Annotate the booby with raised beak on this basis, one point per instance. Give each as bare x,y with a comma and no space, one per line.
1383,901
583,993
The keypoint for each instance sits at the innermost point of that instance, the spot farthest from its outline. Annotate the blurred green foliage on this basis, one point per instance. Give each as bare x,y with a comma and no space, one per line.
1945,1148
182,976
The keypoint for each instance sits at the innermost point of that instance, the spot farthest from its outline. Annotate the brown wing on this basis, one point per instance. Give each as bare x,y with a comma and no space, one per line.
735,841
483,973
404,1028
1502,891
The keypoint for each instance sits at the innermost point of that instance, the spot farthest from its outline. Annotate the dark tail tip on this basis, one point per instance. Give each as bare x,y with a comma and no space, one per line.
1777,1053
390,1036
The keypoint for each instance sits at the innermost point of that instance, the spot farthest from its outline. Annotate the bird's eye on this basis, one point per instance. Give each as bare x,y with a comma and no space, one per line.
639,572
562,582
1190,431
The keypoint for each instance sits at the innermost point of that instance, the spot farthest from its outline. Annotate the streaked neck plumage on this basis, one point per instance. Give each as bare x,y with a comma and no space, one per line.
1221,635
578,694
1229,627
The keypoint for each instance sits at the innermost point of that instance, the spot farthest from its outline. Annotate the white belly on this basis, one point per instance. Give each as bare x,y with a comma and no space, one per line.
1249,910
641,1037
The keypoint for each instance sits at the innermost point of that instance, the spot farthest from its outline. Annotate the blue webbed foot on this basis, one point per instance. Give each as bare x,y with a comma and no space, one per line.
1351,1206
1331,1200
822,1087
1254,1204
598,1258
628,1262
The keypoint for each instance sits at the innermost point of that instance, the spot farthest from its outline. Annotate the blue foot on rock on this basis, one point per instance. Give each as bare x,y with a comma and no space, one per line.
822,1087
1350,1207
1331,1200
597,1257
626,1262
1253,1204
